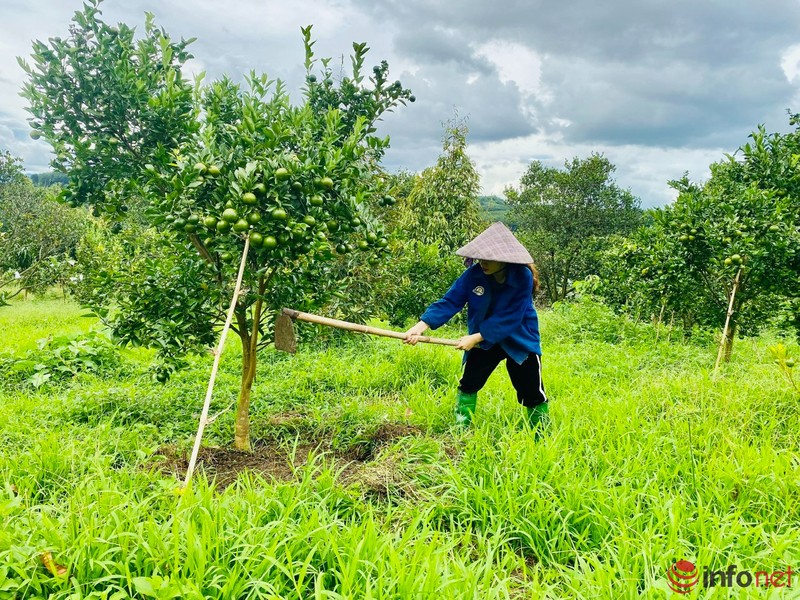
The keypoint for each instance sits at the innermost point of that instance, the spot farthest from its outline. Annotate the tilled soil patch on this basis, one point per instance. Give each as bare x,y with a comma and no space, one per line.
280,461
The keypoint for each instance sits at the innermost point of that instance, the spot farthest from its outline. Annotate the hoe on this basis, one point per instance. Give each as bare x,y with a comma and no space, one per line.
285,339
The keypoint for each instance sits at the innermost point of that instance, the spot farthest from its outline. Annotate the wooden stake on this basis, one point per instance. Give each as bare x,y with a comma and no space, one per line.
217,354
727,321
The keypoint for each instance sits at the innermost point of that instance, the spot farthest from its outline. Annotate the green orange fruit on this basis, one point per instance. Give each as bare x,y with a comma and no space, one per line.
256,239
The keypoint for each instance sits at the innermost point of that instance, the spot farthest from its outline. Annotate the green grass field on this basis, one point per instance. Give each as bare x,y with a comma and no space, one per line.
648,460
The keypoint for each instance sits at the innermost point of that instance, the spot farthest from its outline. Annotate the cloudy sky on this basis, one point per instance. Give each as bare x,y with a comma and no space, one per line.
659,87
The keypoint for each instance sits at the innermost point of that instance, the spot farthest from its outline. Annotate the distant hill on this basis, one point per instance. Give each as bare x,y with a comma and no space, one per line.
47,179
493,208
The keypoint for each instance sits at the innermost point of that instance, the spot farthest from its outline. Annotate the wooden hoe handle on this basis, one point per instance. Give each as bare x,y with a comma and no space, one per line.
296,314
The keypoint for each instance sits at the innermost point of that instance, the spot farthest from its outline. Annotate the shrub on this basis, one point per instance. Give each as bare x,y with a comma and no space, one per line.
60,358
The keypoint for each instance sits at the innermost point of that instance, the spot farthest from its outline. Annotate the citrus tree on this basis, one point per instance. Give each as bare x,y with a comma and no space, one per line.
738,231
210,165
38,235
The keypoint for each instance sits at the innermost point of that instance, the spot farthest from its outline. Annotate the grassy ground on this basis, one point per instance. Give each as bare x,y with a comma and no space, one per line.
29,322
648,460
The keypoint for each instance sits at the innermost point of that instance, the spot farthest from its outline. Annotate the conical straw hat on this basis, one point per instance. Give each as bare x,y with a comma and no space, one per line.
496,243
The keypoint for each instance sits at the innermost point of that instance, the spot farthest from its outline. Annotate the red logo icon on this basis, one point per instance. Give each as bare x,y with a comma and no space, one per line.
682,577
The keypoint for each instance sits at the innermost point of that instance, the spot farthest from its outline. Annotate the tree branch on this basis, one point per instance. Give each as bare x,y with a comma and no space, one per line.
201,249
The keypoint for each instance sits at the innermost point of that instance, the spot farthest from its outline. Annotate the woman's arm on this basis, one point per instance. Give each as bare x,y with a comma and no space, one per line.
441,311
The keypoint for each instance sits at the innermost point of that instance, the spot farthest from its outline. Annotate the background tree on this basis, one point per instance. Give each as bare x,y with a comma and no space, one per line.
565,217
48,179
442,207
746,218
38,235
10,169
431,214
213,165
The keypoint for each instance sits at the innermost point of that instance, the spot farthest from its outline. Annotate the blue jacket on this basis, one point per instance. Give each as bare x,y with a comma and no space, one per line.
502,313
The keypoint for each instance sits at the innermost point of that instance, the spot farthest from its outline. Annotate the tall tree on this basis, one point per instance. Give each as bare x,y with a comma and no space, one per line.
442,207
566,215
213,165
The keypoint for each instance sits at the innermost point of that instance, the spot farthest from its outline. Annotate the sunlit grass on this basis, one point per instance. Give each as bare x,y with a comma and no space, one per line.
27,321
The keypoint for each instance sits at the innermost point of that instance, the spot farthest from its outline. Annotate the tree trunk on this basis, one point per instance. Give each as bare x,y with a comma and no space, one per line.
552,293
565,280
728,347
241,439
734,306
241,436
736,303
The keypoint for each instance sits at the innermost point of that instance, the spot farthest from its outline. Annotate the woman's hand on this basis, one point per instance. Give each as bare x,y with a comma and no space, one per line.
468,342
412,335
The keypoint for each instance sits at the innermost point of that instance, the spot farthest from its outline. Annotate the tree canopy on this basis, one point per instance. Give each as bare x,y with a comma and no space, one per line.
209,166
566,215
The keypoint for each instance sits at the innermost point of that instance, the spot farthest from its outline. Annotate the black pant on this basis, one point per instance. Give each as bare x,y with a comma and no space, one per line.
526,378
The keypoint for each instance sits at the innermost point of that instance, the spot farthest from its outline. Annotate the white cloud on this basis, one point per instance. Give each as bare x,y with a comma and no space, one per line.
643,169
516,63
790,63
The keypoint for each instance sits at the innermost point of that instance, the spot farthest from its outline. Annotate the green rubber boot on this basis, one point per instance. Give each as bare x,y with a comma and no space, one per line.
538,417
465,407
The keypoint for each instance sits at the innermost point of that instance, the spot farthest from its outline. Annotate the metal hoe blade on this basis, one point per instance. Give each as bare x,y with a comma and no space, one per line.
285,340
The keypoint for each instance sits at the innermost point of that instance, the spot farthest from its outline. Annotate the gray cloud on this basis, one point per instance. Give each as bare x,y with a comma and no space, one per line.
666,74
658,87
676,106
440,47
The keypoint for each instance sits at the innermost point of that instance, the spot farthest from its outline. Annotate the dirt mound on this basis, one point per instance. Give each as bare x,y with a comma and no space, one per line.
280,461
223,465
386,433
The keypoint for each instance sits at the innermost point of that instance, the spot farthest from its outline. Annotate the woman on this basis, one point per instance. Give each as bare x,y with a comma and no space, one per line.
501,319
